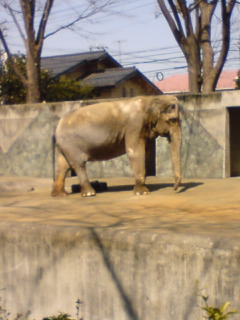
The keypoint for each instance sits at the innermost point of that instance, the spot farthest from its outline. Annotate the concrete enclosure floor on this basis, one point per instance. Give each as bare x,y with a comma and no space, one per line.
125,256
201,206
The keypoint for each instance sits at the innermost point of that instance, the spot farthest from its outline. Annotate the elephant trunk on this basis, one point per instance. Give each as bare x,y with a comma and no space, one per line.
175,145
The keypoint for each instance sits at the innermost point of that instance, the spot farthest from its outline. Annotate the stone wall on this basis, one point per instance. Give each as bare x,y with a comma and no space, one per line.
27,149
117,274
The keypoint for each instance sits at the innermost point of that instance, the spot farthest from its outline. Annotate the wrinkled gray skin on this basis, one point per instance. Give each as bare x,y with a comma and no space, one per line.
109,129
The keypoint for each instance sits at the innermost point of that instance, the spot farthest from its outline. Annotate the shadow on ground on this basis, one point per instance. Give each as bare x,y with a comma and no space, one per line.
156,186
102,187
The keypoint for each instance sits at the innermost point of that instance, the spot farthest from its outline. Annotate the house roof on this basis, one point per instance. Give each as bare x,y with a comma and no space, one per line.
109,77
176,83
62,64
114,76
179,82
226,80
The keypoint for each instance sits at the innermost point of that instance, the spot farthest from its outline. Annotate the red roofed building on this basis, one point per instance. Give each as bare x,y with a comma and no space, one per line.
179,82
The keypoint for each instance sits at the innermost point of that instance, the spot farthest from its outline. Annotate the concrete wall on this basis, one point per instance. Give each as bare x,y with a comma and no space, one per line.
118,274
26,141
205,131
26,147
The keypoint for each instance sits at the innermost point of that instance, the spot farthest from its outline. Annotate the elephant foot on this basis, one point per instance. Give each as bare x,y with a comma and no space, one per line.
87,191
59,193
177,183
141,190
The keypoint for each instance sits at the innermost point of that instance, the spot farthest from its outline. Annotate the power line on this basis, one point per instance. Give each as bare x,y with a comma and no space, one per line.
167,58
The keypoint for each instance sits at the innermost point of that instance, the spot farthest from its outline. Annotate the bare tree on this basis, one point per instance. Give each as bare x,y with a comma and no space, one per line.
191,25
33,37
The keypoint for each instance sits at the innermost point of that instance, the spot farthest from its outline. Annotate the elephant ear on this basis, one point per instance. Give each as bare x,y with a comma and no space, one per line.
164,107
154,110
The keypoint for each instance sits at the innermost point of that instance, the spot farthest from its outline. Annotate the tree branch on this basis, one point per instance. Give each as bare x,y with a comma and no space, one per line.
176,29
28,18
84,15
11,59
231,5
43,23
225,33
186,16
15,21
176,15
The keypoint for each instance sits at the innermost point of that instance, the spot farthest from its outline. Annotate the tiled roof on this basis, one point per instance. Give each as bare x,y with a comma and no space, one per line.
226,80
109,77
179,82
113,75
176,83
61,64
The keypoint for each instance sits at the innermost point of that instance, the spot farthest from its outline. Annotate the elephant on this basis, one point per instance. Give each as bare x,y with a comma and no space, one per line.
109,129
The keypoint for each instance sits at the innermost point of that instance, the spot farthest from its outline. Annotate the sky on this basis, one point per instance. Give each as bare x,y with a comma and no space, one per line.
132,31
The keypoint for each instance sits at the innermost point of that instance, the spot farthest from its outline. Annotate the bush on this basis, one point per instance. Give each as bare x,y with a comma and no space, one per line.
217,313
12,90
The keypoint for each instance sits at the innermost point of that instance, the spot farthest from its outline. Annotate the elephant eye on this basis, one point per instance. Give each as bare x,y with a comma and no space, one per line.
171,108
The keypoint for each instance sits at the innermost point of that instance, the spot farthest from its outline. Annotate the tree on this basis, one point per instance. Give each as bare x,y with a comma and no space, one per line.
12,89
64,89
191,25
51,89
237,80
33,37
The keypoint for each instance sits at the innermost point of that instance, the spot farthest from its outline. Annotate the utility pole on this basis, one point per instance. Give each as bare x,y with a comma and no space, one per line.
120,49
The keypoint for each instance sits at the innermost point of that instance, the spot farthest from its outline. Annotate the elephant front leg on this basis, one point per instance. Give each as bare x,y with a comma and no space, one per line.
86,188
175,143
136,154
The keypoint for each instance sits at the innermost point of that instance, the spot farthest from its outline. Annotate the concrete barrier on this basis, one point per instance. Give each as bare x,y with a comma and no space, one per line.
124,257
117,274
209,139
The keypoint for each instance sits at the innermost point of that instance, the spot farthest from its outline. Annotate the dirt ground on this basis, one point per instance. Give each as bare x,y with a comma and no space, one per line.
199,206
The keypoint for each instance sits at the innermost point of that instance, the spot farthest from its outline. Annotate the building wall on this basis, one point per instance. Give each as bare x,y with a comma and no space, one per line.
133,87
27,149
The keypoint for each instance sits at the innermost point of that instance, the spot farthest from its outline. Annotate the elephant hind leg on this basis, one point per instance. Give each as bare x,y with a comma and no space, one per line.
77,161
59,183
